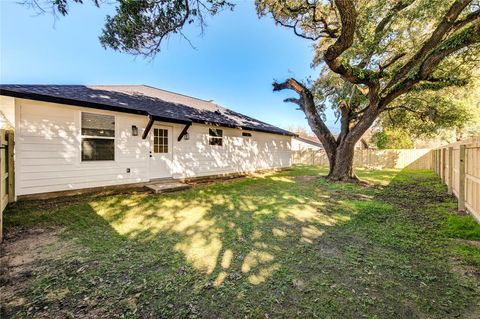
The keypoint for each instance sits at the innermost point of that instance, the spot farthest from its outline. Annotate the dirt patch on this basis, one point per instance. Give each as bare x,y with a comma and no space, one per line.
22,248
461,268
306,178
464,270
23,254
473,243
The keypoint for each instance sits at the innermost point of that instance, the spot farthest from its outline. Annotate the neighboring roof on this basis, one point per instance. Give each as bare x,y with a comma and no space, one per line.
141,99
310,140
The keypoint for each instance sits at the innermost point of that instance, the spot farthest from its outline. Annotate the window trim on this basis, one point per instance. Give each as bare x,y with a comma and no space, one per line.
210,137
168,139
98,137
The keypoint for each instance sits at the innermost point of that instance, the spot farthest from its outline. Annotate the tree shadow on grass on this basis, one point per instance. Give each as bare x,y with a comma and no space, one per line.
276,245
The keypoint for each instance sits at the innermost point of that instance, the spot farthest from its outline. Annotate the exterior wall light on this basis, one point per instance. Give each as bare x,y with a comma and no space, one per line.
186,137
134,130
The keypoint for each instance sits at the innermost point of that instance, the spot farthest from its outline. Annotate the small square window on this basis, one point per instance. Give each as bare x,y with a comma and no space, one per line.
215,136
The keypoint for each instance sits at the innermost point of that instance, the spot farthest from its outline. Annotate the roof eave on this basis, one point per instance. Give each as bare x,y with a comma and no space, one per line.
101,106
308,141
93,105
242,127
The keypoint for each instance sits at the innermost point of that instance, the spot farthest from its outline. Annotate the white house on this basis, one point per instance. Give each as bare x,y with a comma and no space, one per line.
301,143
70,137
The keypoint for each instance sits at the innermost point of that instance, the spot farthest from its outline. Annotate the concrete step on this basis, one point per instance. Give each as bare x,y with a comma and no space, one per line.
167,186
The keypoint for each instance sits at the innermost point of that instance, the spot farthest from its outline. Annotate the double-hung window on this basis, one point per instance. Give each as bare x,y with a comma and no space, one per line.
215,136
98,137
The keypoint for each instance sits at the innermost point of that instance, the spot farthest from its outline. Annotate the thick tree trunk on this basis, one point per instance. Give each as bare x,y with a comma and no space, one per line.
341,165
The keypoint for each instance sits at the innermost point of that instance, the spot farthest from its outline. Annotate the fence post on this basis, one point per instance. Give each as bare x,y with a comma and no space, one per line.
432,160
450,170
440,162
461,180
442,165
369,158
445,165
11,167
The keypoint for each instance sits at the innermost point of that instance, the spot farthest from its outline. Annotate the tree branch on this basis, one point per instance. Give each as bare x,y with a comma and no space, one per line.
304,9
355,75
392,61
299,102
307,105
469,18
344,122
443,27
380,29
467,37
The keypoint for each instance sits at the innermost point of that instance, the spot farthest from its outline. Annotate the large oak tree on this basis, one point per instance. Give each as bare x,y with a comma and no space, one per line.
377,56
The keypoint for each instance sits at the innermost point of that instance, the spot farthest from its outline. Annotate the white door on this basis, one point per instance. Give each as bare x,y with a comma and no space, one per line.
161,151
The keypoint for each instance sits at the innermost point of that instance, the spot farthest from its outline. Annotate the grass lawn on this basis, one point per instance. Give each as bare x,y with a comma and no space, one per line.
283,245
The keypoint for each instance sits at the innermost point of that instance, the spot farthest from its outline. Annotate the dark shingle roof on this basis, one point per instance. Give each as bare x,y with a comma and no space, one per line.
140,99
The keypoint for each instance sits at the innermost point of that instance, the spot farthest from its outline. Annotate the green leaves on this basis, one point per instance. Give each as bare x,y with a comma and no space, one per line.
139,27
446,107
392,139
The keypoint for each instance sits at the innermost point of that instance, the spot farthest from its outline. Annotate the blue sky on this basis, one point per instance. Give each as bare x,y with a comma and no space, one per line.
234,62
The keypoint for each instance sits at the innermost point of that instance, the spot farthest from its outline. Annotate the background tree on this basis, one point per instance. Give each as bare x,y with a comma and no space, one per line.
392,139
139,27
455,115
376,56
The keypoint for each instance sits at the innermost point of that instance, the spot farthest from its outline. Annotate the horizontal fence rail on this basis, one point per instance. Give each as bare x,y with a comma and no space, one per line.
374,159
458,165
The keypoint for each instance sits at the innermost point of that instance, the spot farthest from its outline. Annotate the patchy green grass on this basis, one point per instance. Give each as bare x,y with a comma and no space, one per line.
287,245
465,227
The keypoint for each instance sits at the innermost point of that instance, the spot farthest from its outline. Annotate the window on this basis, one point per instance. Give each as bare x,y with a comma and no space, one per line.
160,140
246,134
98,137
215,136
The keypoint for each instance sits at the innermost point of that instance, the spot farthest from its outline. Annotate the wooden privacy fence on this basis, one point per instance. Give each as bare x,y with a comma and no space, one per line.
7,193
458,165
376,159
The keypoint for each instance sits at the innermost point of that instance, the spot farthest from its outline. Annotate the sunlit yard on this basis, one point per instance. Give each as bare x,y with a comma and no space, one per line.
285,244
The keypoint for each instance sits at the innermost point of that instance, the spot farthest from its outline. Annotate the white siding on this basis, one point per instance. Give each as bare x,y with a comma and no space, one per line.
48,151
195,157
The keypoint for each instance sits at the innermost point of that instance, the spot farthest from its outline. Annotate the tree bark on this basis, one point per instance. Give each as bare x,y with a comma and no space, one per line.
341,166
339,151
449,36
